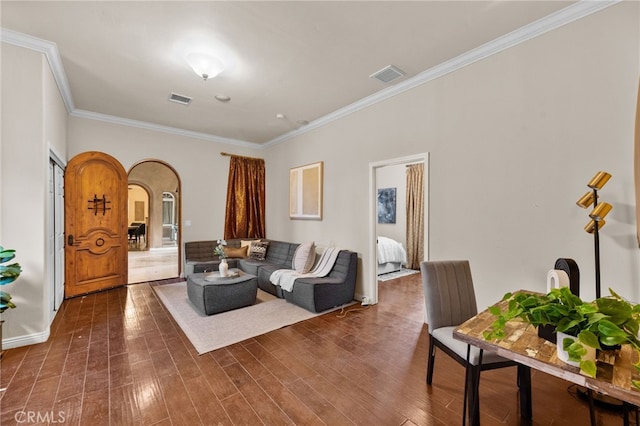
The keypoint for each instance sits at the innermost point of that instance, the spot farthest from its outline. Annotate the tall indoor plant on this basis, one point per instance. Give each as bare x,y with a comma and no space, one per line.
8,274
601,324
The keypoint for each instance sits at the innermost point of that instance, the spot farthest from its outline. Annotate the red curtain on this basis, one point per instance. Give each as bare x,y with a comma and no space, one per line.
245,215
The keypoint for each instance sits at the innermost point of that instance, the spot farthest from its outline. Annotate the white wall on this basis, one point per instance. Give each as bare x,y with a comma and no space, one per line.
513,141
33,122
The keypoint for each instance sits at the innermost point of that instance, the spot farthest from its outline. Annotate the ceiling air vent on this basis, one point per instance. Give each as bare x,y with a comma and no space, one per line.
181,99
388,74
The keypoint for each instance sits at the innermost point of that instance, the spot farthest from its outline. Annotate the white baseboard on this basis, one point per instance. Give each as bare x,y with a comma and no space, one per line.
31,339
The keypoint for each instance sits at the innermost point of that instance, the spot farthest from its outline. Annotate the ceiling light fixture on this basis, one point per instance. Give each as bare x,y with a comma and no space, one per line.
205,65
222,98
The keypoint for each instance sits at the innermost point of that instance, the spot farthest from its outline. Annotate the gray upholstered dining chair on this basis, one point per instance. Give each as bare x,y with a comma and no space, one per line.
450,300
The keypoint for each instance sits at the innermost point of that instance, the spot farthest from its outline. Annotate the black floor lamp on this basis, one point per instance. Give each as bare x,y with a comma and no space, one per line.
600,210
597,215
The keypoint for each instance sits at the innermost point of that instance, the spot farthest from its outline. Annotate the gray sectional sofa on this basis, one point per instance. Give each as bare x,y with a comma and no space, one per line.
315,294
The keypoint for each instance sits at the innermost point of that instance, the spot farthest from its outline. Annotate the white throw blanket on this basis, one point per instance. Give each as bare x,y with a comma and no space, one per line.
285,278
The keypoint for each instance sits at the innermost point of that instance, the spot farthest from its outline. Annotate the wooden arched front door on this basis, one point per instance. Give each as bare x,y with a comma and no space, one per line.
95,204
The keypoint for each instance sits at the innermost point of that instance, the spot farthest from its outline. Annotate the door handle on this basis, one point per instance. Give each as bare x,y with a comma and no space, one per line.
70,240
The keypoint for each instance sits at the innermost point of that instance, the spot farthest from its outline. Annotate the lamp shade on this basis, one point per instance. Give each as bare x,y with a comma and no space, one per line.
586,200
591,226
206,66
600,211
599,180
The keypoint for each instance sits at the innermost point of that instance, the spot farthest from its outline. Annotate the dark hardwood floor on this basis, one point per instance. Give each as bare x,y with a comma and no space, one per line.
118,358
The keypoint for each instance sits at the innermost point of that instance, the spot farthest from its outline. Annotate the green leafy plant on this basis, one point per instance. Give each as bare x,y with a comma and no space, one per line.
219,249
605,322
8,274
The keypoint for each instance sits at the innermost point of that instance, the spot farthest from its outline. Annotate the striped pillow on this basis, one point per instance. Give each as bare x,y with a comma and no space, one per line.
304,257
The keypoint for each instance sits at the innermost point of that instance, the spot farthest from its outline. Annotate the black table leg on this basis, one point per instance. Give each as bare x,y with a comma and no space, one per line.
524,384
474,391
466,387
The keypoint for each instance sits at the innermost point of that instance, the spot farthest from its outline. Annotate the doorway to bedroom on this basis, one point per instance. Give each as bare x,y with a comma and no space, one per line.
399,238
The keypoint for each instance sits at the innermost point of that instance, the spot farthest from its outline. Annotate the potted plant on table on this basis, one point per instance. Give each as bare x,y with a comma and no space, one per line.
223,268
602,324
8,274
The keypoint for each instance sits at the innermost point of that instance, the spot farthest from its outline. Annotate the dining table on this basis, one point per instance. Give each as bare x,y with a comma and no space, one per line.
615,370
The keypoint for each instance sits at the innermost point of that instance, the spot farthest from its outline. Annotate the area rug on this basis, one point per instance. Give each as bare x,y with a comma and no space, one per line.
208,333
401,273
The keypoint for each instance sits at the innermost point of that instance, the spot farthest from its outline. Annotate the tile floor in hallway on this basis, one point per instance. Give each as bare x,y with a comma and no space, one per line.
153,265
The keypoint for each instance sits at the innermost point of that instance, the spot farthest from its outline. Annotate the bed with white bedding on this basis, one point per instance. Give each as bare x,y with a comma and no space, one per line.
391,255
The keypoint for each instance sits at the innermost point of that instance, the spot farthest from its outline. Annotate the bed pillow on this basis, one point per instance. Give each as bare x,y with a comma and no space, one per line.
232,252
258,250
304,257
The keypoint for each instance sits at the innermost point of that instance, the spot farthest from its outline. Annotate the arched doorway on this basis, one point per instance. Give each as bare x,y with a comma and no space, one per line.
157,256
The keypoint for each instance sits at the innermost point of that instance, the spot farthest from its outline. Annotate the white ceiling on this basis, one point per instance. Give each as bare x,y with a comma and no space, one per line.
306,60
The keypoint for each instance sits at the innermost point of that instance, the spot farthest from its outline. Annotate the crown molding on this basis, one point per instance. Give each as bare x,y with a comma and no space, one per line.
548,23
50,50
556,20
160,128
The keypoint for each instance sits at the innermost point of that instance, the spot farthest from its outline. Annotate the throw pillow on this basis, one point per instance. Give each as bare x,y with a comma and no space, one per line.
247,242
258,250
232,252
304,257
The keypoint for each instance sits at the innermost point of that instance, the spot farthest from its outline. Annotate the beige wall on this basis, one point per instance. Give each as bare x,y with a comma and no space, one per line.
157,178
33,123
513,140
394,176
198,163
137,194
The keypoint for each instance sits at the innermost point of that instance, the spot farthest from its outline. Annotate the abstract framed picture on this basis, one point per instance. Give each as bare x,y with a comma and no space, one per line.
305,192
387,205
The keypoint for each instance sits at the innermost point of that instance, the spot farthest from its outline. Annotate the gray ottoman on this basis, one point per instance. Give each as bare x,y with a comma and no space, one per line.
221,294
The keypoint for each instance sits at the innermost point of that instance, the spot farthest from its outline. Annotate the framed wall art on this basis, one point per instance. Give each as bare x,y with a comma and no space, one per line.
387,205
305,192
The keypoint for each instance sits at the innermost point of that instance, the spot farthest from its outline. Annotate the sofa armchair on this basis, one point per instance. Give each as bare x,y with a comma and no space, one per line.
199,257
315,294
318,294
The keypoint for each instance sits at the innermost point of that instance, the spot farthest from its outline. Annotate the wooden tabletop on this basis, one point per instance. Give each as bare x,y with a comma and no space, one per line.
522,344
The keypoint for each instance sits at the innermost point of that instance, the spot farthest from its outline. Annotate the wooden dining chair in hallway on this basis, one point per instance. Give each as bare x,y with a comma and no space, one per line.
450,300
